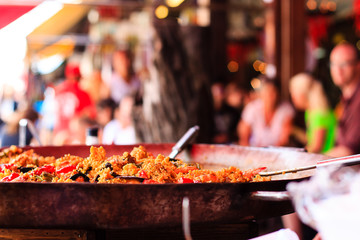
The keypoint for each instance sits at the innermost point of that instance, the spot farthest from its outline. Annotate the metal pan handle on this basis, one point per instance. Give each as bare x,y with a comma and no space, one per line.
270,196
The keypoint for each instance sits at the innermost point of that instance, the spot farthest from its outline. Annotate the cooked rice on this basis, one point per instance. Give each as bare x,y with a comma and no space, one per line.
97,168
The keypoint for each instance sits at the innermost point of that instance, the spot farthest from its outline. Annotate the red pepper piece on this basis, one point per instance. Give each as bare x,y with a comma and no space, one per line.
185,180
10,177
149,181
143,174
6,166
46,168
66,169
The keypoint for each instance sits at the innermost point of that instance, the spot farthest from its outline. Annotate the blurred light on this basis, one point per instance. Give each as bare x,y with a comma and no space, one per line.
271,71
259,66
187,16
161,12
174,3
256,65
180,21
255,83
323,7
233,66
72,1
267,1
203,16
93,16
311,4
262,68
320,53
337,38
50,64
331,6
203,2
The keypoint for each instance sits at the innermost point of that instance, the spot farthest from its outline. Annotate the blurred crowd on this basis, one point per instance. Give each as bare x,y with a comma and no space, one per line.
259,117
262,119
76,104
248,117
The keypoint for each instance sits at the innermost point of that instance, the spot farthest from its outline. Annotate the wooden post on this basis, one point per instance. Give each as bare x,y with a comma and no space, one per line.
290,25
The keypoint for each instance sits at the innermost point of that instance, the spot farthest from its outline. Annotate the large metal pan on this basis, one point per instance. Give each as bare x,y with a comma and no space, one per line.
121,206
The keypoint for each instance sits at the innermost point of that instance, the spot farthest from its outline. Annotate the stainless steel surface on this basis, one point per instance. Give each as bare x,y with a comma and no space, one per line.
273,159
124,206
22,132
184,141
284,171
23,123
270,196
186,218
341,161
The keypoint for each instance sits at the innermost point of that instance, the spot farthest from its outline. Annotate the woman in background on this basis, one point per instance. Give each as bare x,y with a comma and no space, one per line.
308,95
121,129
266,121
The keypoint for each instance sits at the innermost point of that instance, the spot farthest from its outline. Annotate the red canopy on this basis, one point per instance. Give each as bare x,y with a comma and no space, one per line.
9,13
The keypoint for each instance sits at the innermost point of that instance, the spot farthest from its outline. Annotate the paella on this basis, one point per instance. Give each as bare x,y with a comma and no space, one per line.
137,166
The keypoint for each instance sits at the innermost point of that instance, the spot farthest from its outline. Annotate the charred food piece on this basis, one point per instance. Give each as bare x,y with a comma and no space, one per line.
25,169
78,175
108,165
115,175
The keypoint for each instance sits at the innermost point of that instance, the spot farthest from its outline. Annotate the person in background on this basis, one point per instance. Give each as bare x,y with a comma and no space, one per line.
266,121
77,129
121,130
47,116
308,95
345,73
95,86
105,111
71,102
8,102
226,117
9,132
123,81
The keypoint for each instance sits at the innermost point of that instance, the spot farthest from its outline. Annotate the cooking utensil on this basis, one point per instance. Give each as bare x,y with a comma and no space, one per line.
184,141
341,161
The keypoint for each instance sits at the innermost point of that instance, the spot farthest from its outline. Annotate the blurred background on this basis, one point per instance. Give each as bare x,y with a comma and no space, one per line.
185,62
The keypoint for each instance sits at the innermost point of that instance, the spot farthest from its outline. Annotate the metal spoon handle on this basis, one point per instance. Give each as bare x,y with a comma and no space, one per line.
184,141
347,161
341,161
290,170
